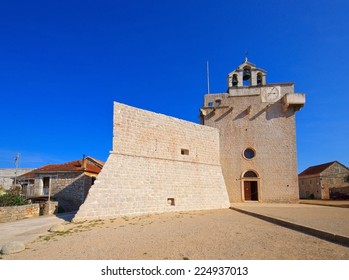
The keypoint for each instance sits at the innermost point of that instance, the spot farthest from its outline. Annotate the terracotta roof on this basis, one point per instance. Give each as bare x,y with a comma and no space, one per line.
75,165
316,169
97,161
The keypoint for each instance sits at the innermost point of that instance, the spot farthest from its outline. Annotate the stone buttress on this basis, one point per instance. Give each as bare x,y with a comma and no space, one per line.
158,164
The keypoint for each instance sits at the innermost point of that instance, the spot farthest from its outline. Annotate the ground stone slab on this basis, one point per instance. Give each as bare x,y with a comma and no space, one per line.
56,228
12,248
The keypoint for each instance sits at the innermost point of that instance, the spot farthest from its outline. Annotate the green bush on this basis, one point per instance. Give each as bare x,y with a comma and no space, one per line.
2,191
12,200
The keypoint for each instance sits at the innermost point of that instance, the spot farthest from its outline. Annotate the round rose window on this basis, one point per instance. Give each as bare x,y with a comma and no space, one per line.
249,153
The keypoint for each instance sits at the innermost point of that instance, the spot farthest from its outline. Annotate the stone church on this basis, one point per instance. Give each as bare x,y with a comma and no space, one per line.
244,149
256,123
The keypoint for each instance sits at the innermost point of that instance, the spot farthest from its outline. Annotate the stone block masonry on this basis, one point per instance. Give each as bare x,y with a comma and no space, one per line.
257,128
244,121
14,213
158,164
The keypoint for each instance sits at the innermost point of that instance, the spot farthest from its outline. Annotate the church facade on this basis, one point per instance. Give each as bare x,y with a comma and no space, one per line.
256,121
243,150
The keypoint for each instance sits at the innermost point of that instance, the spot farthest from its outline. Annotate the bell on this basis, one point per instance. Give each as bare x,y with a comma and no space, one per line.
247,74
259,79
235,81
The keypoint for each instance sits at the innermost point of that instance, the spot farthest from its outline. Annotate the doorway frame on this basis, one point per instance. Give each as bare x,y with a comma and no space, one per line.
250,179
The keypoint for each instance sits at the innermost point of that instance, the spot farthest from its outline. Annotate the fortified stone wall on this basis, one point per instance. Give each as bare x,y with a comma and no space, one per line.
158,164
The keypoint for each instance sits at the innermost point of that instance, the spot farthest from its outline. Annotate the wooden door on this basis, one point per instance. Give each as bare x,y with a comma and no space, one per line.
247,190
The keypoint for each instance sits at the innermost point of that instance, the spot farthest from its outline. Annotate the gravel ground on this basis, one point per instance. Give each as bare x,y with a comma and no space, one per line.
199,235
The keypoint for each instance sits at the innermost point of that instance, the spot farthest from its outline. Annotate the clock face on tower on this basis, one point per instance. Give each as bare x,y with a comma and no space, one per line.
270,94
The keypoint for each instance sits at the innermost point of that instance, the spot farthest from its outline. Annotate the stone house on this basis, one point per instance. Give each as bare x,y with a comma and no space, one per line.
67,183
320,181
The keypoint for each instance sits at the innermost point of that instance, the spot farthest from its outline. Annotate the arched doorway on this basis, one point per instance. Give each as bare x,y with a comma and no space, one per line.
250,186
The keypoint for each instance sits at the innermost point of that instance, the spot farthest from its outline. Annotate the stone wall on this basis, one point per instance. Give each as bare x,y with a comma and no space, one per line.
158,164
309,187
13,213
244,121
49,208
70,190
333,177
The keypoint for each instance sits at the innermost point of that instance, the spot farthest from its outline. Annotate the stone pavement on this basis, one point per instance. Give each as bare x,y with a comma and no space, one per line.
325,222
29,229
329,223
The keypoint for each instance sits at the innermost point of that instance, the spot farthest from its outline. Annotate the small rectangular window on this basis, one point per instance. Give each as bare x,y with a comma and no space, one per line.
185,152
210,104
171,201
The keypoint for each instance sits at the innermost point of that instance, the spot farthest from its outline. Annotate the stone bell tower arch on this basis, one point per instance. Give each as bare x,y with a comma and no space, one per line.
247,74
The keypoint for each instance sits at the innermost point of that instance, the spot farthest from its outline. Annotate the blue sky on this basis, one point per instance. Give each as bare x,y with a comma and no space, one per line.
63,63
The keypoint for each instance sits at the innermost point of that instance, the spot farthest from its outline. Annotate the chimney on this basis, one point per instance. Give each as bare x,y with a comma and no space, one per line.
83,162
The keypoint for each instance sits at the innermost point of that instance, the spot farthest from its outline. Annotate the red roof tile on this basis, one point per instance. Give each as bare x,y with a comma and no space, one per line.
316,169
75,165
97,161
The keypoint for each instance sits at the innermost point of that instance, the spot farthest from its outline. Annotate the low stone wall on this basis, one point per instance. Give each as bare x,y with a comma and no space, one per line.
14,213
49,208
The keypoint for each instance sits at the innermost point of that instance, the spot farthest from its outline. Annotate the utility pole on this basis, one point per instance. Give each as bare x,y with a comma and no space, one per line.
16,164
208,77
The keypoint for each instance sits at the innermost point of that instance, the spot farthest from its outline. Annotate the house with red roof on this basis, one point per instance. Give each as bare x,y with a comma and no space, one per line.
320,181
67,183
